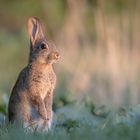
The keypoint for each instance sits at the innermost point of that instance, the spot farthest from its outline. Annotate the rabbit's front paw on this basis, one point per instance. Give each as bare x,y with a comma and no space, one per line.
44,116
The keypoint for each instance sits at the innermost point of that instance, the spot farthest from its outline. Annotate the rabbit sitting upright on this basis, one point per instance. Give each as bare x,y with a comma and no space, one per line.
31,99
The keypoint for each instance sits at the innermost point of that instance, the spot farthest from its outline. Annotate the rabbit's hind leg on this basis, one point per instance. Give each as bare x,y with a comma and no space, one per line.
41,126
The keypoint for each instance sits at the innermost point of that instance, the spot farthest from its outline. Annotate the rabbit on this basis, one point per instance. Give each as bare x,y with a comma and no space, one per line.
31,99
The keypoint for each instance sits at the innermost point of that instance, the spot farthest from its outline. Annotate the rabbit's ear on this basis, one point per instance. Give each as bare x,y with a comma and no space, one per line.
34,30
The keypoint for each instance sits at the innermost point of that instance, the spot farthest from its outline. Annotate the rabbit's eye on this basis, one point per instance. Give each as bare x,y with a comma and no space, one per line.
43,46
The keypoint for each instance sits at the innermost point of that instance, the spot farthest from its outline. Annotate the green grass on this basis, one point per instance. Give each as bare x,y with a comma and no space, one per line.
77,121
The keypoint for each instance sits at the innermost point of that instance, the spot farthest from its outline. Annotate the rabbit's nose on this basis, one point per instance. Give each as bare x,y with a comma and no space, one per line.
56,55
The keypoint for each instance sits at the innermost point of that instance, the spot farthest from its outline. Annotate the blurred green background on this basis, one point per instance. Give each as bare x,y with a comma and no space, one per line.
99,41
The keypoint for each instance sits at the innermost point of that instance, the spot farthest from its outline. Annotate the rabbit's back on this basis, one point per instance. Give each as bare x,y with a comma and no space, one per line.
18,102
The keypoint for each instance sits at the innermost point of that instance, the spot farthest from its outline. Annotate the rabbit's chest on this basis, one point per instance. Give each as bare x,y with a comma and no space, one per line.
44,83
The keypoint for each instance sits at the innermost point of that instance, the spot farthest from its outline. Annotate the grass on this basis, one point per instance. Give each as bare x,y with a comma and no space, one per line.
76,121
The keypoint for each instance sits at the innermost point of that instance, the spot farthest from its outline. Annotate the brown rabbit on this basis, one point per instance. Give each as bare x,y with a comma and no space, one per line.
32,96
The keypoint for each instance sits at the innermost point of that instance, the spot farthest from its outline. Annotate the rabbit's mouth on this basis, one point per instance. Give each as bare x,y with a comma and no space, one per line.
53,57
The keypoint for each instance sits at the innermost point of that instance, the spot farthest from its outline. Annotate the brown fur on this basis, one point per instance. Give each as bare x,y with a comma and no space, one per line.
32,96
